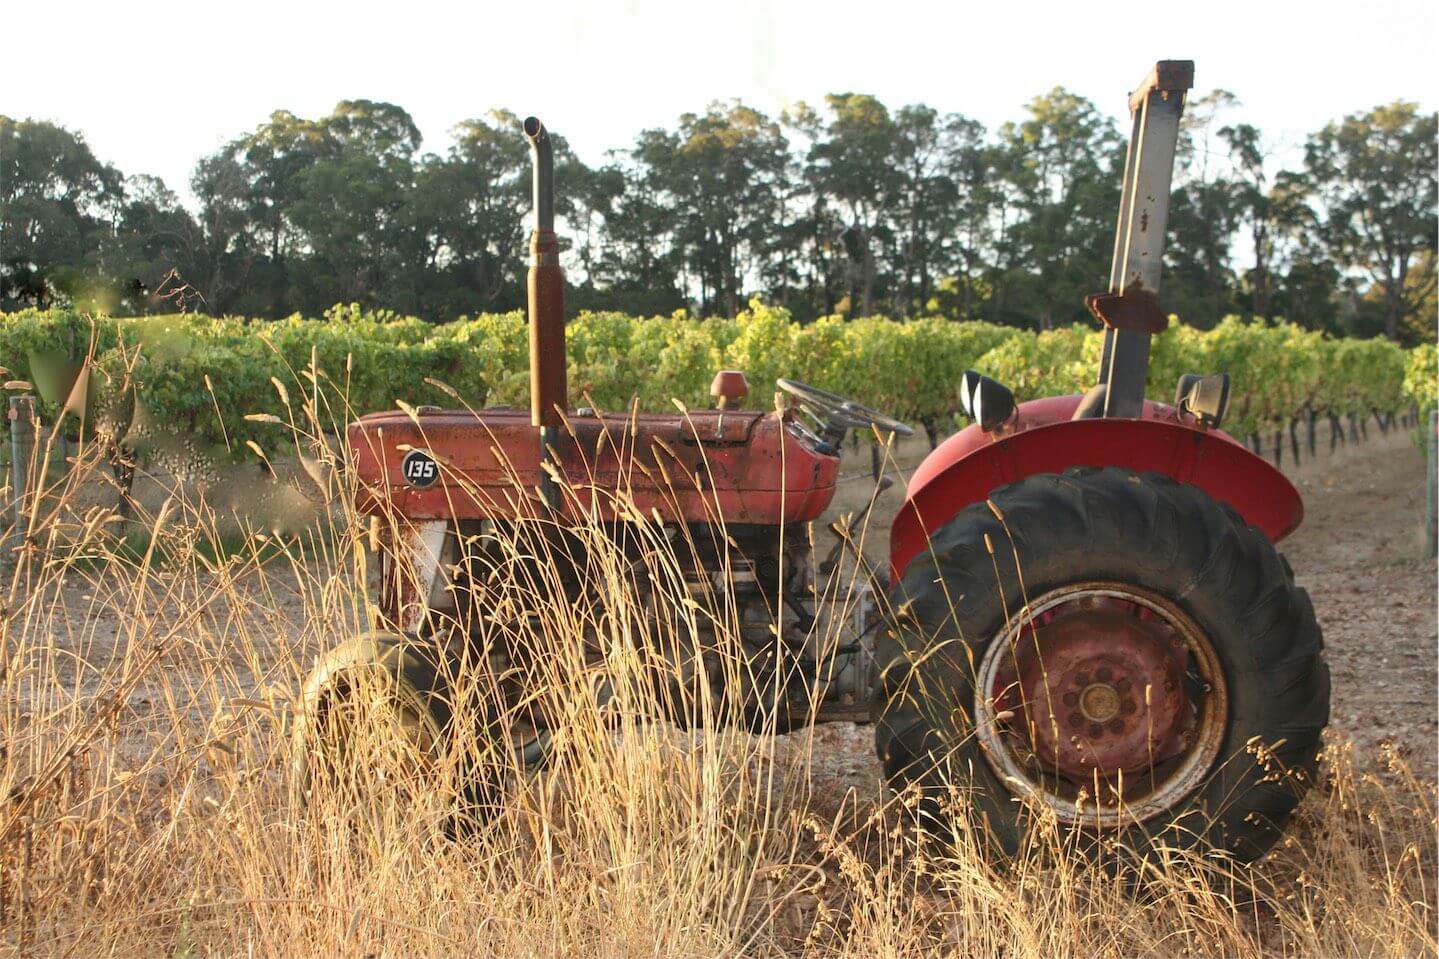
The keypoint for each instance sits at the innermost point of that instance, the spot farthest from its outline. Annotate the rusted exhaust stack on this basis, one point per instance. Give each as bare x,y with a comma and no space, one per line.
548,387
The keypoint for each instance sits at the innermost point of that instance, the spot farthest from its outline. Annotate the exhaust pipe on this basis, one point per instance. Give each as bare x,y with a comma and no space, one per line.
548,388
546,288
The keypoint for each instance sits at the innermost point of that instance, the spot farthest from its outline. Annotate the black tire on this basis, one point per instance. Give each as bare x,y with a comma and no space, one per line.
419,674
1148,530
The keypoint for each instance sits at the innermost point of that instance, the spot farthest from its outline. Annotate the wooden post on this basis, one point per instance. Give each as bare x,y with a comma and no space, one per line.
1431,487
22,455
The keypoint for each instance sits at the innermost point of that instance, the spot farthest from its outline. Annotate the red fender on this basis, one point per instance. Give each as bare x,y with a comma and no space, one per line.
1043,439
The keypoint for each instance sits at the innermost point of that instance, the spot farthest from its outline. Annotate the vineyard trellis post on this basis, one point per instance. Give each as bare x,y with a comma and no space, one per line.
22,454
1431,487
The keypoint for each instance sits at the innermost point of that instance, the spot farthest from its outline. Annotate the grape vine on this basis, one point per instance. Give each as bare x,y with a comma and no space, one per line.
223,381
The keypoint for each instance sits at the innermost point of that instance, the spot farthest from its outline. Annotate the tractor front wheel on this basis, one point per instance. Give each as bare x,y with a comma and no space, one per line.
391,717
1119,649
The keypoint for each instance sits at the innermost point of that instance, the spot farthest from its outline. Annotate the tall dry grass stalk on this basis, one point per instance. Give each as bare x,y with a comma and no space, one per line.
145,710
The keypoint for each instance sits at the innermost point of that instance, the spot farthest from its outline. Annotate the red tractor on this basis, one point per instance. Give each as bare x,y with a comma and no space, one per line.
1085,608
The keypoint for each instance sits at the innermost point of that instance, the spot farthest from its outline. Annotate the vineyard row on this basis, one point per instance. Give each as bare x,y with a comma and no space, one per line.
203,376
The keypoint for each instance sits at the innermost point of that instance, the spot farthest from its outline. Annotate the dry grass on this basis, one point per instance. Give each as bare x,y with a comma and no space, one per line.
145,706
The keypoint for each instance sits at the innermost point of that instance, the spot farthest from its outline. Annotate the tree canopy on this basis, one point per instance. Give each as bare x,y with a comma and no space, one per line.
851,206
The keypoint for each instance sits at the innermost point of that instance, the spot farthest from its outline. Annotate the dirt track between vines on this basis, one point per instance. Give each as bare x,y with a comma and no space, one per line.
1359,553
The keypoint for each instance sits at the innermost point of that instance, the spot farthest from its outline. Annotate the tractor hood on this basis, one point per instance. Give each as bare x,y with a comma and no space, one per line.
700,466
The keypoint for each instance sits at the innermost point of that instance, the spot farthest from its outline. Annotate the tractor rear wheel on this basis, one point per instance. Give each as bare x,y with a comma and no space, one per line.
386,713
1117,647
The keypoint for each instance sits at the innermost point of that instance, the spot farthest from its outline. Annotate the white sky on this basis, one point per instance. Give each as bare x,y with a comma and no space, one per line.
154,85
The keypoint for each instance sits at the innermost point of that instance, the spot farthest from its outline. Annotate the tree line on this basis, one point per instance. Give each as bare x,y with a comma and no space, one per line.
850,207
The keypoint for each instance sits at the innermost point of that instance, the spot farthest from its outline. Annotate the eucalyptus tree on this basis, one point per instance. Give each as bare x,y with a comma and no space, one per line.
634,264
1372,178
1062,165
968,221
1199,279
851,162
159,244
720,174
231,251
469,208
273,160
939,206
1272,210
816,257
349,210
57,203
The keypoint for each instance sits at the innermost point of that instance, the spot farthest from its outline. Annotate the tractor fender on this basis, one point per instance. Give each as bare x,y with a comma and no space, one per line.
1042,438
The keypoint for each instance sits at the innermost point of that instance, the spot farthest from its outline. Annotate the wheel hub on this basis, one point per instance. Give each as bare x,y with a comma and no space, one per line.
1104,700
1102,691
1099,702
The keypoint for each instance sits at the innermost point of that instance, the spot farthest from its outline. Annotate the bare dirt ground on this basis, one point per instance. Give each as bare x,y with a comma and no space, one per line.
1359,553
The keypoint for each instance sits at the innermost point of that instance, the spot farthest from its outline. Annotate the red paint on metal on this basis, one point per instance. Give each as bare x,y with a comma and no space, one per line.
1168,76
1043,439
549,388
744,467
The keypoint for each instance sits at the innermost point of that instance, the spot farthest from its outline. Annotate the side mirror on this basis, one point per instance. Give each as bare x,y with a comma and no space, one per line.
1204,397
1186,383
988,402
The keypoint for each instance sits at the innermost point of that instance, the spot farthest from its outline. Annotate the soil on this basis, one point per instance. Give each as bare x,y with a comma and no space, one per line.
1360,553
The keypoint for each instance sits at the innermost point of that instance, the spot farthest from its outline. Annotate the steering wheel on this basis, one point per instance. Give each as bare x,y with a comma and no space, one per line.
834,415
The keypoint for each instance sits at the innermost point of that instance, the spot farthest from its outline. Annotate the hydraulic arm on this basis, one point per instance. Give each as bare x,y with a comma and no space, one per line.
1130,310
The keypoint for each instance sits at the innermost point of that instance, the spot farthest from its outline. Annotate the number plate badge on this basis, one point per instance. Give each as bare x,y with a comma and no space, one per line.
419,469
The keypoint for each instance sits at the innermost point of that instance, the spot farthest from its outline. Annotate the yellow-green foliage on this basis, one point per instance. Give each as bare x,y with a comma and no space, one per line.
1421,379
188,367
1045,364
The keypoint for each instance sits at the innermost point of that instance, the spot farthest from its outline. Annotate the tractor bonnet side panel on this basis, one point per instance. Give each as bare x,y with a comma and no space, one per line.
967,466
744,466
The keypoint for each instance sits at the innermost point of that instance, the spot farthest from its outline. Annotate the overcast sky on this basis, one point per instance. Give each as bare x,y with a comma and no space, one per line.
155,85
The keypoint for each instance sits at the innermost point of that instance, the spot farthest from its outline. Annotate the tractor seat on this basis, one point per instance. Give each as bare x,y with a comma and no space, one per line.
1092,403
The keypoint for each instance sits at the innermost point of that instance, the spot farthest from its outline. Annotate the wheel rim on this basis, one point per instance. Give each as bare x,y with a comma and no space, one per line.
369,727
1103,700
399,731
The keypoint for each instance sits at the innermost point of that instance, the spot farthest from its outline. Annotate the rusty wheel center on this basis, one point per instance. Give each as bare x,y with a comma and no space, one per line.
1099,702
1099,689
1102,689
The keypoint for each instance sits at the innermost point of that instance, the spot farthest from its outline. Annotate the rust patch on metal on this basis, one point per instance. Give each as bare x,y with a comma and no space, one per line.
1136,309
1046,691
546,283
1167,76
